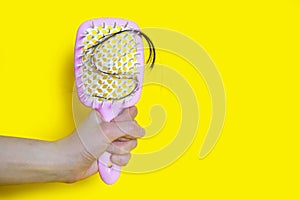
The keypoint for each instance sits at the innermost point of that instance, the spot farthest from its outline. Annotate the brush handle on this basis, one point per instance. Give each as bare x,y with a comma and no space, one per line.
108,171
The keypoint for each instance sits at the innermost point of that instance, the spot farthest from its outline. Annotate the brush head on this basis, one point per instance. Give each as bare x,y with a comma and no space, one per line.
109,65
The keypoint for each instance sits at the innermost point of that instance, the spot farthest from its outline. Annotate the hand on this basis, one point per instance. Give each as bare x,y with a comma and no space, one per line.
93,137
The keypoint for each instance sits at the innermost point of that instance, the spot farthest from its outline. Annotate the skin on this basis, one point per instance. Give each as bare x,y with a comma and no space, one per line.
69,159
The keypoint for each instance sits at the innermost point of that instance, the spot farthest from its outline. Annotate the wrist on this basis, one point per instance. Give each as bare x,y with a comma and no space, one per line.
72,158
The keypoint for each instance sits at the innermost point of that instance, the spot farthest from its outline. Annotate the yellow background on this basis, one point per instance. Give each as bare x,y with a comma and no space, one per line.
255,46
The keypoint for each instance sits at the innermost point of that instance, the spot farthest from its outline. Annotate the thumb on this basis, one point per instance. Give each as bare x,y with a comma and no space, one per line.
122,129
127,114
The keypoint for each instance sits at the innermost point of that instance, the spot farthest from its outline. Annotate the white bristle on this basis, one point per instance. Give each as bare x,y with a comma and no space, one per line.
79,74
81,95
80,85
93,102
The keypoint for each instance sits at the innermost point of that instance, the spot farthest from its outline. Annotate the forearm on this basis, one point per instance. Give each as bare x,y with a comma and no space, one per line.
29,161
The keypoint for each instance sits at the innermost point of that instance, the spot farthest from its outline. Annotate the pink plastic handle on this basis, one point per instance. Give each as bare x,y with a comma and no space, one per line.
108,171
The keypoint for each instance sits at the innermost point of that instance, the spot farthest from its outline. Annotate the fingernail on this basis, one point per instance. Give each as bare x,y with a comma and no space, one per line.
133,111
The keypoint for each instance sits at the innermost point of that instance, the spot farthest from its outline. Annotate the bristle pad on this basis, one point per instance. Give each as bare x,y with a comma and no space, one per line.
109,67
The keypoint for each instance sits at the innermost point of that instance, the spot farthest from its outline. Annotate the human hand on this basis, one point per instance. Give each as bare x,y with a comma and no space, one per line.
93,137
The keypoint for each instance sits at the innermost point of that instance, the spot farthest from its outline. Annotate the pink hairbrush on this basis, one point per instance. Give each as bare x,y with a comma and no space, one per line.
109,69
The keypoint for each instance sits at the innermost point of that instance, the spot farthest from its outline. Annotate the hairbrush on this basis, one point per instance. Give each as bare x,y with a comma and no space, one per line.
109,69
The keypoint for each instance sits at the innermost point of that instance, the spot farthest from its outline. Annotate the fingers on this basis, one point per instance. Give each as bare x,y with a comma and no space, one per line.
127,114
120,160
122,132
121,151
127,129
122,148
